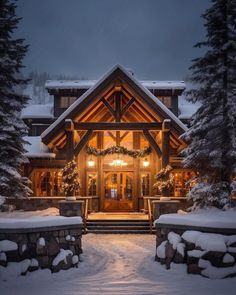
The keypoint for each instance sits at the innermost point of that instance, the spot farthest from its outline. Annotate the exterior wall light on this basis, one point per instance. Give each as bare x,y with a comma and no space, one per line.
146,163
91,162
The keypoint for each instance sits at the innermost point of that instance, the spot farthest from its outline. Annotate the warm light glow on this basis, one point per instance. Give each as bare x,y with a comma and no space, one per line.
146,163
91,162
118,163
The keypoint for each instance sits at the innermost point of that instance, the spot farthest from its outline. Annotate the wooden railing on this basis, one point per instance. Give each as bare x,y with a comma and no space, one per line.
149,209
150,214
86,200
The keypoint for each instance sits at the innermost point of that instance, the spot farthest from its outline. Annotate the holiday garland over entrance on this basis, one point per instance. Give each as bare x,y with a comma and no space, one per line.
119,150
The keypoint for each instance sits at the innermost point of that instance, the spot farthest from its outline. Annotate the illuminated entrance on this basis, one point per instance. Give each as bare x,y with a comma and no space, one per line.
118,191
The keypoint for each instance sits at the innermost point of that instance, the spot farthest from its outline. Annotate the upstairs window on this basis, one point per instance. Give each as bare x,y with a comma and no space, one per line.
166,100
66,101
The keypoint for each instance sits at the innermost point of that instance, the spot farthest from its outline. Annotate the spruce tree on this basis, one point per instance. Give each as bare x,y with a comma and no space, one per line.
212,135
12,128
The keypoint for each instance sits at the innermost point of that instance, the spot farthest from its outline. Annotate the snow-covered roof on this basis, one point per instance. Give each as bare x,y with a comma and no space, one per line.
60,120
36,148
86,84
37,111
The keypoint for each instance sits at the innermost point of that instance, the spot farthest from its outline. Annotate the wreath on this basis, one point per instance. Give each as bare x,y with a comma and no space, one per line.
119,150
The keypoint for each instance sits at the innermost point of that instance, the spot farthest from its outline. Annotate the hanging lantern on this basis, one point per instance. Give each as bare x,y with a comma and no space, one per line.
91,162
146,163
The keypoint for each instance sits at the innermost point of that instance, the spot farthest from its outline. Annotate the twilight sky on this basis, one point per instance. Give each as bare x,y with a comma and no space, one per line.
84,38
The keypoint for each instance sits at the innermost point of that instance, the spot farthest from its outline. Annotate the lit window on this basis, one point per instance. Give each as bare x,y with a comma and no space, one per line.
66,101
166,100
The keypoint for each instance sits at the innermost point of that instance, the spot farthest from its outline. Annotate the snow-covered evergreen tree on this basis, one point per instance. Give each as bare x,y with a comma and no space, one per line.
212,136
12,128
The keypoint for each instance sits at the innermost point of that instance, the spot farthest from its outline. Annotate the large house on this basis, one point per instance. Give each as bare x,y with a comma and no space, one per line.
121,132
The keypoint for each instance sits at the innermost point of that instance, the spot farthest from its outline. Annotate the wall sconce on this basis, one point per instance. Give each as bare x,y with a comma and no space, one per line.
91,162
146,163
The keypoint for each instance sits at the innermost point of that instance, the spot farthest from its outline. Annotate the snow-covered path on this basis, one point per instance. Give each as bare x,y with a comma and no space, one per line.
117,264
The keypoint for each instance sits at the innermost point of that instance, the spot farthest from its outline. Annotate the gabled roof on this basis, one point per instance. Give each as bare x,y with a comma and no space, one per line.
115,72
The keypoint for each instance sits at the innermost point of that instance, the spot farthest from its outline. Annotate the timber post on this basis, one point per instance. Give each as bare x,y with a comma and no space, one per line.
165,142
69,129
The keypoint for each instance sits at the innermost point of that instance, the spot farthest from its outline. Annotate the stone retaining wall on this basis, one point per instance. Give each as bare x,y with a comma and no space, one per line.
212,254
54,248
37,203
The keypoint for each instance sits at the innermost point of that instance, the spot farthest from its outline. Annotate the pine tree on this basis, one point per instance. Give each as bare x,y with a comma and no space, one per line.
12,128
212,135
70,179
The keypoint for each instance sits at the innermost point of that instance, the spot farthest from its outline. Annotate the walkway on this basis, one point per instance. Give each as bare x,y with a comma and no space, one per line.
117,265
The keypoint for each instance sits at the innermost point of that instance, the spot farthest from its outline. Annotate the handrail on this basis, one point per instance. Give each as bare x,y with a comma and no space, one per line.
150,217
86,209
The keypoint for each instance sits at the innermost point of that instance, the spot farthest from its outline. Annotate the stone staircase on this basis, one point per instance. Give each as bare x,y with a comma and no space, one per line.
116,224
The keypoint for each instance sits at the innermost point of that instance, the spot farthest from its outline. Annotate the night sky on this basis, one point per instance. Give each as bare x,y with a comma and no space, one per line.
84,38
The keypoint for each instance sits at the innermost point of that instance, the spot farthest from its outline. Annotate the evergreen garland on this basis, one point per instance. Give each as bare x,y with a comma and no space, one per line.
119,150
70,179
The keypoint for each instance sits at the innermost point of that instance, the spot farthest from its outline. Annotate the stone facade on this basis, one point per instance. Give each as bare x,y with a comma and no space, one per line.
42,203
71,208
54,248
172,245
164,207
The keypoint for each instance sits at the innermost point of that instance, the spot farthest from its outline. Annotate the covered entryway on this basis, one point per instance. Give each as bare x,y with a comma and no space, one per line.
121,135
118,191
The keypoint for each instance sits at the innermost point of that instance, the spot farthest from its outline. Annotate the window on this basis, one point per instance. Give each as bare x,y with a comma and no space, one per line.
166,100
145,184
66,101
182,182
47,182
92,184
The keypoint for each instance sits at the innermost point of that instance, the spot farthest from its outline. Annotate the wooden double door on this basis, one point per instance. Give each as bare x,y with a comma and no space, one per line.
118,191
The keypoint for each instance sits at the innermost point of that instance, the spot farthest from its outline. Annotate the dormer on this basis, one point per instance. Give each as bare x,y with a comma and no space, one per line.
66,92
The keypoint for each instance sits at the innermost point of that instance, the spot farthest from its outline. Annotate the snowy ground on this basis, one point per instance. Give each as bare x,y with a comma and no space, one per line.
117,264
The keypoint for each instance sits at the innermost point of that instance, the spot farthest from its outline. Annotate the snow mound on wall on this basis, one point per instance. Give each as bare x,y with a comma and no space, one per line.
161,250
6,245
37,222
202,218
61,256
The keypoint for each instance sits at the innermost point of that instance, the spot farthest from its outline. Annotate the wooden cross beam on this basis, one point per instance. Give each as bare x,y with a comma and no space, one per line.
106,103
117,126
152,142
126,107
83,142
118,106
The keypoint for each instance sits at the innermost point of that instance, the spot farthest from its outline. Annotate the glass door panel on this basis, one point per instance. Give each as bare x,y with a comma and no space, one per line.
118,191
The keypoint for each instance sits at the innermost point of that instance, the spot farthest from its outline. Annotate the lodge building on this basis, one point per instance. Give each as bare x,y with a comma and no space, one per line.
119,130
